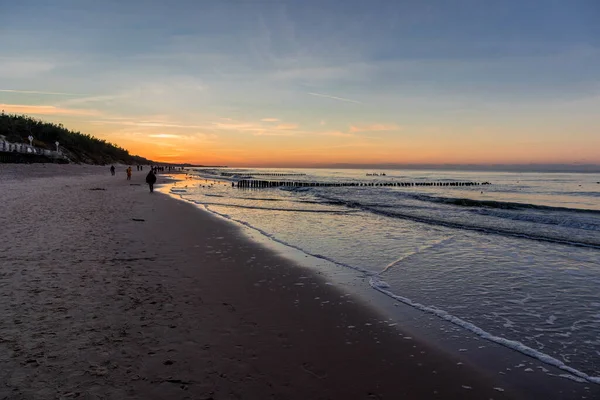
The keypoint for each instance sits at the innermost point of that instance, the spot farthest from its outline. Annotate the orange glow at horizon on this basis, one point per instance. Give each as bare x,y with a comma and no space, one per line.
271,142
441,153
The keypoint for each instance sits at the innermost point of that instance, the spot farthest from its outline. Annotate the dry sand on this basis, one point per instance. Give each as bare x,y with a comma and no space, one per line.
117,293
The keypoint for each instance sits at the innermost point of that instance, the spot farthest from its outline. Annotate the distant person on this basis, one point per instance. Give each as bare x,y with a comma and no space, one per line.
128,170
151,180
141,167
112,170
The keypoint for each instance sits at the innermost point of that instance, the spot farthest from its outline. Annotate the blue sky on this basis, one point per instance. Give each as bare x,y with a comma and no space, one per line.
206,80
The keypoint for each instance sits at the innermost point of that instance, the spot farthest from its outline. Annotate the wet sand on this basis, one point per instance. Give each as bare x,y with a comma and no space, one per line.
109,292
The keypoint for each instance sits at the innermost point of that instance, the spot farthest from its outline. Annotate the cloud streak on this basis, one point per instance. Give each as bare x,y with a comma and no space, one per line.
334,97
46,110
40,92
375,128
164,136
147,124
336,134
282,129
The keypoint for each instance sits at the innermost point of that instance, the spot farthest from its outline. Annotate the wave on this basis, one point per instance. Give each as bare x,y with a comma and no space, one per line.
474,203
399,211
503,205
490,230
552,219
272,208
330,202
590,194
381,286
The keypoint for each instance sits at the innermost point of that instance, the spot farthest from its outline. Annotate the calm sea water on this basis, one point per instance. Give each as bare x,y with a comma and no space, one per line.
517,262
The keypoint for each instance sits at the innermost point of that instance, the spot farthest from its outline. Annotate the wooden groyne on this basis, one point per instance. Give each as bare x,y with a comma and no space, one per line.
260,184
259,174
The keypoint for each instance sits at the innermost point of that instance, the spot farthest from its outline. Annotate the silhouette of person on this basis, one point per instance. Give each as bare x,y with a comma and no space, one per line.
112,170
128,170
151,180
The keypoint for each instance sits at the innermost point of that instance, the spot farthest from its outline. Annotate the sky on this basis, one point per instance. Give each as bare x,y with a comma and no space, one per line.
305,83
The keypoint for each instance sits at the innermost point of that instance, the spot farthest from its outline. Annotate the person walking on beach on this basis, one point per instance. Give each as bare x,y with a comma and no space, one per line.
112,170
151,180
128,170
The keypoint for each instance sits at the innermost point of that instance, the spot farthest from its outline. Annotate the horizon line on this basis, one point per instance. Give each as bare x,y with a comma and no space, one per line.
521,167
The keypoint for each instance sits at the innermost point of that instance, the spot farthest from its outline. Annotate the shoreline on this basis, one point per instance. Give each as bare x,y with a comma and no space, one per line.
514,368
123,294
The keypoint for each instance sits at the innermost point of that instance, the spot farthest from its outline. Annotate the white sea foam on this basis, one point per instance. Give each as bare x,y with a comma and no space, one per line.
382,286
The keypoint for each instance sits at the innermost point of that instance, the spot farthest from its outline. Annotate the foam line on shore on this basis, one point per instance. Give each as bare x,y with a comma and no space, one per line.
382,286
275,239
276,209
430,246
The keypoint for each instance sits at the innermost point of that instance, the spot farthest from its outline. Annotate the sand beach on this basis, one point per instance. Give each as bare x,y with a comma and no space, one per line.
110,292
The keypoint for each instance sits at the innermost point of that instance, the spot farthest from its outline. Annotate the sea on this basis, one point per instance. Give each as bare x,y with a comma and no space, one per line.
516,262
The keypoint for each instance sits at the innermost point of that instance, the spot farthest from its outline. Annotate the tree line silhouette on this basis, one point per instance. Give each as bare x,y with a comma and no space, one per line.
78,147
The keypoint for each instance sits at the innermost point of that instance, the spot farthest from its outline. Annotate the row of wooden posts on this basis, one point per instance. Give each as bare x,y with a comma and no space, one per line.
252,183
261,174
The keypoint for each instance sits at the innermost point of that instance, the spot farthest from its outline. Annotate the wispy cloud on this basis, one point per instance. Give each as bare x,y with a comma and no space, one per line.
286,126
238,126
206,137
375,128
269,120
312,70
171,155
146,124
164,136
334,97
274,133
39,92
47,110
91,99
336,134
20,68
258,129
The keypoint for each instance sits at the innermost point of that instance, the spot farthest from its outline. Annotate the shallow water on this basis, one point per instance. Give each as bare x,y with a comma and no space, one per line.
518,259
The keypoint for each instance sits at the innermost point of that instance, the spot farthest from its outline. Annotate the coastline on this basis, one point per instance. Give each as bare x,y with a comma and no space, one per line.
535,376
110,292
